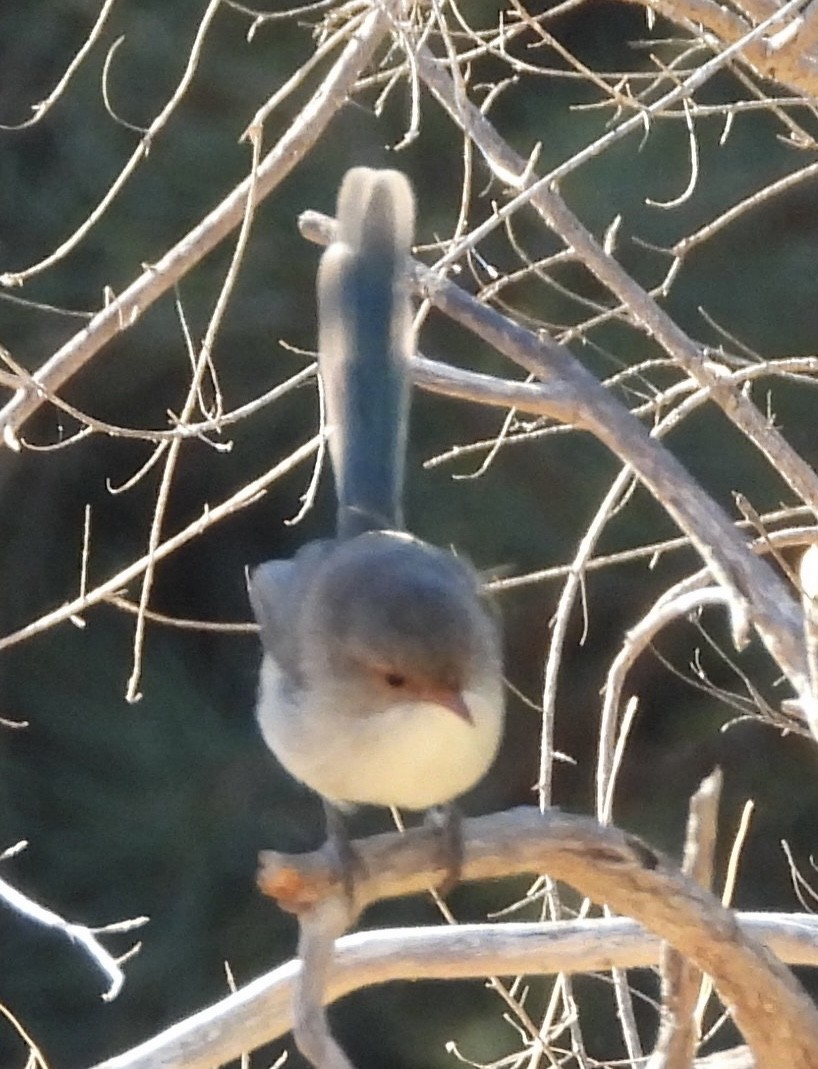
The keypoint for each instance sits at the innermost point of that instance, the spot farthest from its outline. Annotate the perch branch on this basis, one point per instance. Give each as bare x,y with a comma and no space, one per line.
606,865
778,1020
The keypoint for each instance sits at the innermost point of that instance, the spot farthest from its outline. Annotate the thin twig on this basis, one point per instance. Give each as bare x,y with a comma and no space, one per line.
247,495
122,313
79,934
678,1031
17,278
201,364
42,108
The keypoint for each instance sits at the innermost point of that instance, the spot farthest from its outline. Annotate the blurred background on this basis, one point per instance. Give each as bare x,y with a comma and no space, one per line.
159,808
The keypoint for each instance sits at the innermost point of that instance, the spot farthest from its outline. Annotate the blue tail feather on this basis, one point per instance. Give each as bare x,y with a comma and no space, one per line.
365,346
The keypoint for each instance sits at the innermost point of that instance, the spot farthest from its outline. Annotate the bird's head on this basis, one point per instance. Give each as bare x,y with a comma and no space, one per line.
404,620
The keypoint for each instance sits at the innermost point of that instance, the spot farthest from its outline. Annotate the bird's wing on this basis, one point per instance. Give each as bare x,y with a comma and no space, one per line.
278,590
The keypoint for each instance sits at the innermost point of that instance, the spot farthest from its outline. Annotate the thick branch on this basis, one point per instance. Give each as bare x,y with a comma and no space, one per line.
777,1018
787,57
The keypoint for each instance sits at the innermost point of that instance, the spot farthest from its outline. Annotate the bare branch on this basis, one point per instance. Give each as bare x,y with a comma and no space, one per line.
768,1004
678,1034
123,312
112,587
788,57
506,163
76,933
17,278
44,106
200,366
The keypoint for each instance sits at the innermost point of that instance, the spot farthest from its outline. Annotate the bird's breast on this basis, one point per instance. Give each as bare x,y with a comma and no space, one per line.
413,754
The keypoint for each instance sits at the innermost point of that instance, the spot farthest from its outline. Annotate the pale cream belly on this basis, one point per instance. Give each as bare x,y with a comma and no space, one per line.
413,756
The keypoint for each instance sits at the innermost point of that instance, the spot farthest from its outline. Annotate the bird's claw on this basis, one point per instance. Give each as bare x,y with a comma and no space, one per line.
445,820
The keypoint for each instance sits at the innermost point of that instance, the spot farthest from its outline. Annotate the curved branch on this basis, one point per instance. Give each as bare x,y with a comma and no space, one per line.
261,1011
751,589
606,865
42,107
769,1006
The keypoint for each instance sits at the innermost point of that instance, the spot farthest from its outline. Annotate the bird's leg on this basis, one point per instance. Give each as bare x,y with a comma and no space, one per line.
447,822
339,846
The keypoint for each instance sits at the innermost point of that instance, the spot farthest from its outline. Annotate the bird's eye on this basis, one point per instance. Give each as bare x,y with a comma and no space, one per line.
395,679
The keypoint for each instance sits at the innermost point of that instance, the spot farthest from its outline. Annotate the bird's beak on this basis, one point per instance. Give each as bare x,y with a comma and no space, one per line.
450,699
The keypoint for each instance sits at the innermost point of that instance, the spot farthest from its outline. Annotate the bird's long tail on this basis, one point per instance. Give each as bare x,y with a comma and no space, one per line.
365,341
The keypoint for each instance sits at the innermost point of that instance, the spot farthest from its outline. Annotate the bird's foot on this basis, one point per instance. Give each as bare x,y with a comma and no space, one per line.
342,855
447,823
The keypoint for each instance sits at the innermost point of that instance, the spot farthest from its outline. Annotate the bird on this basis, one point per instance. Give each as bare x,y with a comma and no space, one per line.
381,674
